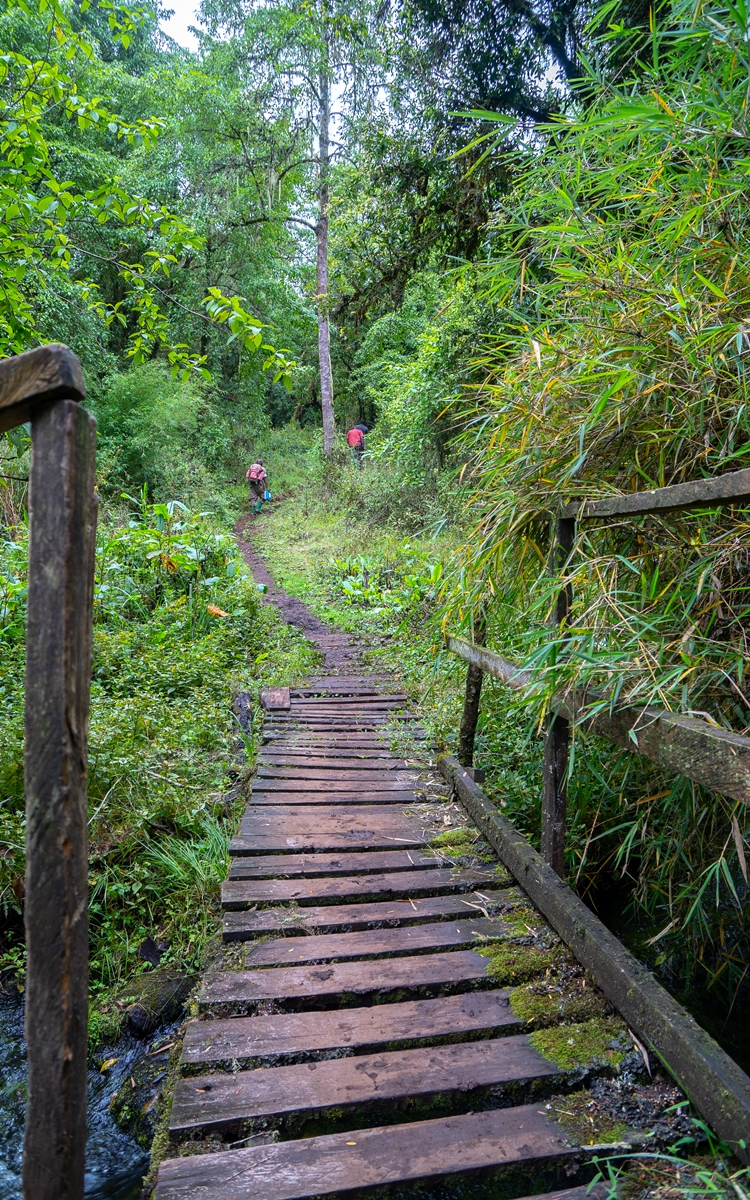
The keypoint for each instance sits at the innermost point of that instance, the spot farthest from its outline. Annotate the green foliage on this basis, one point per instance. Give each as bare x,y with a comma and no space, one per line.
158,431
618,275
178,630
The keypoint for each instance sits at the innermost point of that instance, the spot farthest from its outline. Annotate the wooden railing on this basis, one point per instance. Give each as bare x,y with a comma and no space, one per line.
44,386
686,745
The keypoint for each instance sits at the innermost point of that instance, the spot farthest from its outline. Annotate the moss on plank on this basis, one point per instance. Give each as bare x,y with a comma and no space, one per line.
508,963
455,838
601,1042
581,1119
543,1005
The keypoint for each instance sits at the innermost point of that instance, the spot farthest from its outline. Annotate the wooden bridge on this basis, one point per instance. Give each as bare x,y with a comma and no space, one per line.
410,996
391,1009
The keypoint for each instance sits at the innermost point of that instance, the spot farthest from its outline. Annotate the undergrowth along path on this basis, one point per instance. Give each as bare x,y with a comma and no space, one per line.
390,1012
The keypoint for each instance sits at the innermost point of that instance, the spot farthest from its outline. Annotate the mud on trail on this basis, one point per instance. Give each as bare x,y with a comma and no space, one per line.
342,653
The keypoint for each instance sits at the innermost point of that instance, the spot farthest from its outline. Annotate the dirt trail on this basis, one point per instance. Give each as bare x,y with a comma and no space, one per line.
343,654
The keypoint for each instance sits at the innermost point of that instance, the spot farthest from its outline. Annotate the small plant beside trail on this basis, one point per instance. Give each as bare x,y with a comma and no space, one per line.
178,629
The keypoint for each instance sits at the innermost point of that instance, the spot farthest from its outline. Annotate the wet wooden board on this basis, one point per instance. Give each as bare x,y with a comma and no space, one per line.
307,1035
337,1164
341,918
288,820
334,771
242,893
375,1081
345,760
307,799
339,984
354,699
374,943
280,866
314,842
333,784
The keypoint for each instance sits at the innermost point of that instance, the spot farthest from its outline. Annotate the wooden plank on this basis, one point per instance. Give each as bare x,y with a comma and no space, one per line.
30,382
331,783
279,796
421,1151
374,943
62,511
346,760
241,893
340,985
334,771
716,1085
333,918
314,841
268,1039
732,488
465,1074
275,699
289,821
309,700
686,745
278,866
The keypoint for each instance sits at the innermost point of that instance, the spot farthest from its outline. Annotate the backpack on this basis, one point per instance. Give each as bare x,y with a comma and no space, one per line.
256,473
355,437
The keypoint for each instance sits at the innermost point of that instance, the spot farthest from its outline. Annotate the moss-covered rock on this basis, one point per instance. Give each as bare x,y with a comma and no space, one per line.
154,998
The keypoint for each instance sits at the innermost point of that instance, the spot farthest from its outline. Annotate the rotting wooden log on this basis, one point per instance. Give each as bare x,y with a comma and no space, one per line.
732,488
688,746
715,1084
30,381
62,510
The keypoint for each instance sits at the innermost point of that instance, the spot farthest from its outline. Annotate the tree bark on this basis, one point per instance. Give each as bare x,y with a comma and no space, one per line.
324,334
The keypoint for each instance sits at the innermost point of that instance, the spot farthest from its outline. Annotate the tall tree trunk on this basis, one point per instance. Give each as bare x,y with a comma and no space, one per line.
324,336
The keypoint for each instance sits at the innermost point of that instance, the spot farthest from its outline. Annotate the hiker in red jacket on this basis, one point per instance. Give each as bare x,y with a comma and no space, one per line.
356,439
258,478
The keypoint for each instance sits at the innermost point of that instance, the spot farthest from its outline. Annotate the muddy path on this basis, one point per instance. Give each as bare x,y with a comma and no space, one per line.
342,653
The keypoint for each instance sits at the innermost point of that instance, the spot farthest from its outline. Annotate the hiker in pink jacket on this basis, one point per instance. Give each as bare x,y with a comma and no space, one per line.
258,479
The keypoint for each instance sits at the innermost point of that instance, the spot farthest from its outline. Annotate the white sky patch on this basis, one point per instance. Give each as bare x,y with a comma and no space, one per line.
177,25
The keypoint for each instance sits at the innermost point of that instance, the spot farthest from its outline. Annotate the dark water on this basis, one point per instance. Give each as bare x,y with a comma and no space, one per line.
721,1011
115,1164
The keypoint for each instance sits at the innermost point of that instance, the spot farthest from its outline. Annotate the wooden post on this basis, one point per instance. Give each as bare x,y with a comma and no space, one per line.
470,715
62,511
554,798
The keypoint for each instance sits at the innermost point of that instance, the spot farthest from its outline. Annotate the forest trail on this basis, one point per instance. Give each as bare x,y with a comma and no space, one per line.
390,1009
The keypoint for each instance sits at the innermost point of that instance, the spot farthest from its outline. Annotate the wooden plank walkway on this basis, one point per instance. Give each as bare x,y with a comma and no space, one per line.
390,1011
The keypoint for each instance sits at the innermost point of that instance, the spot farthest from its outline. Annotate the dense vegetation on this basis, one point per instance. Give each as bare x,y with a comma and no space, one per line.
513,239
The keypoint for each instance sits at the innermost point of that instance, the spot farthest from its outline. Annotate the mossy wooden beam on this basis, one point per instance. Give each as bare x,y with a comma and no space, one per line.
732,488
715,1084
688,746
35,379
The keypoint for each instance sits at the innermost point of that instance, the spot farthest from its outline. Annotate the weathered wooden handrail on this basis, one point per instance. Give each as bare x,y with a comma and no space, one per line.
44,386
732,488
715,1084
687,745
